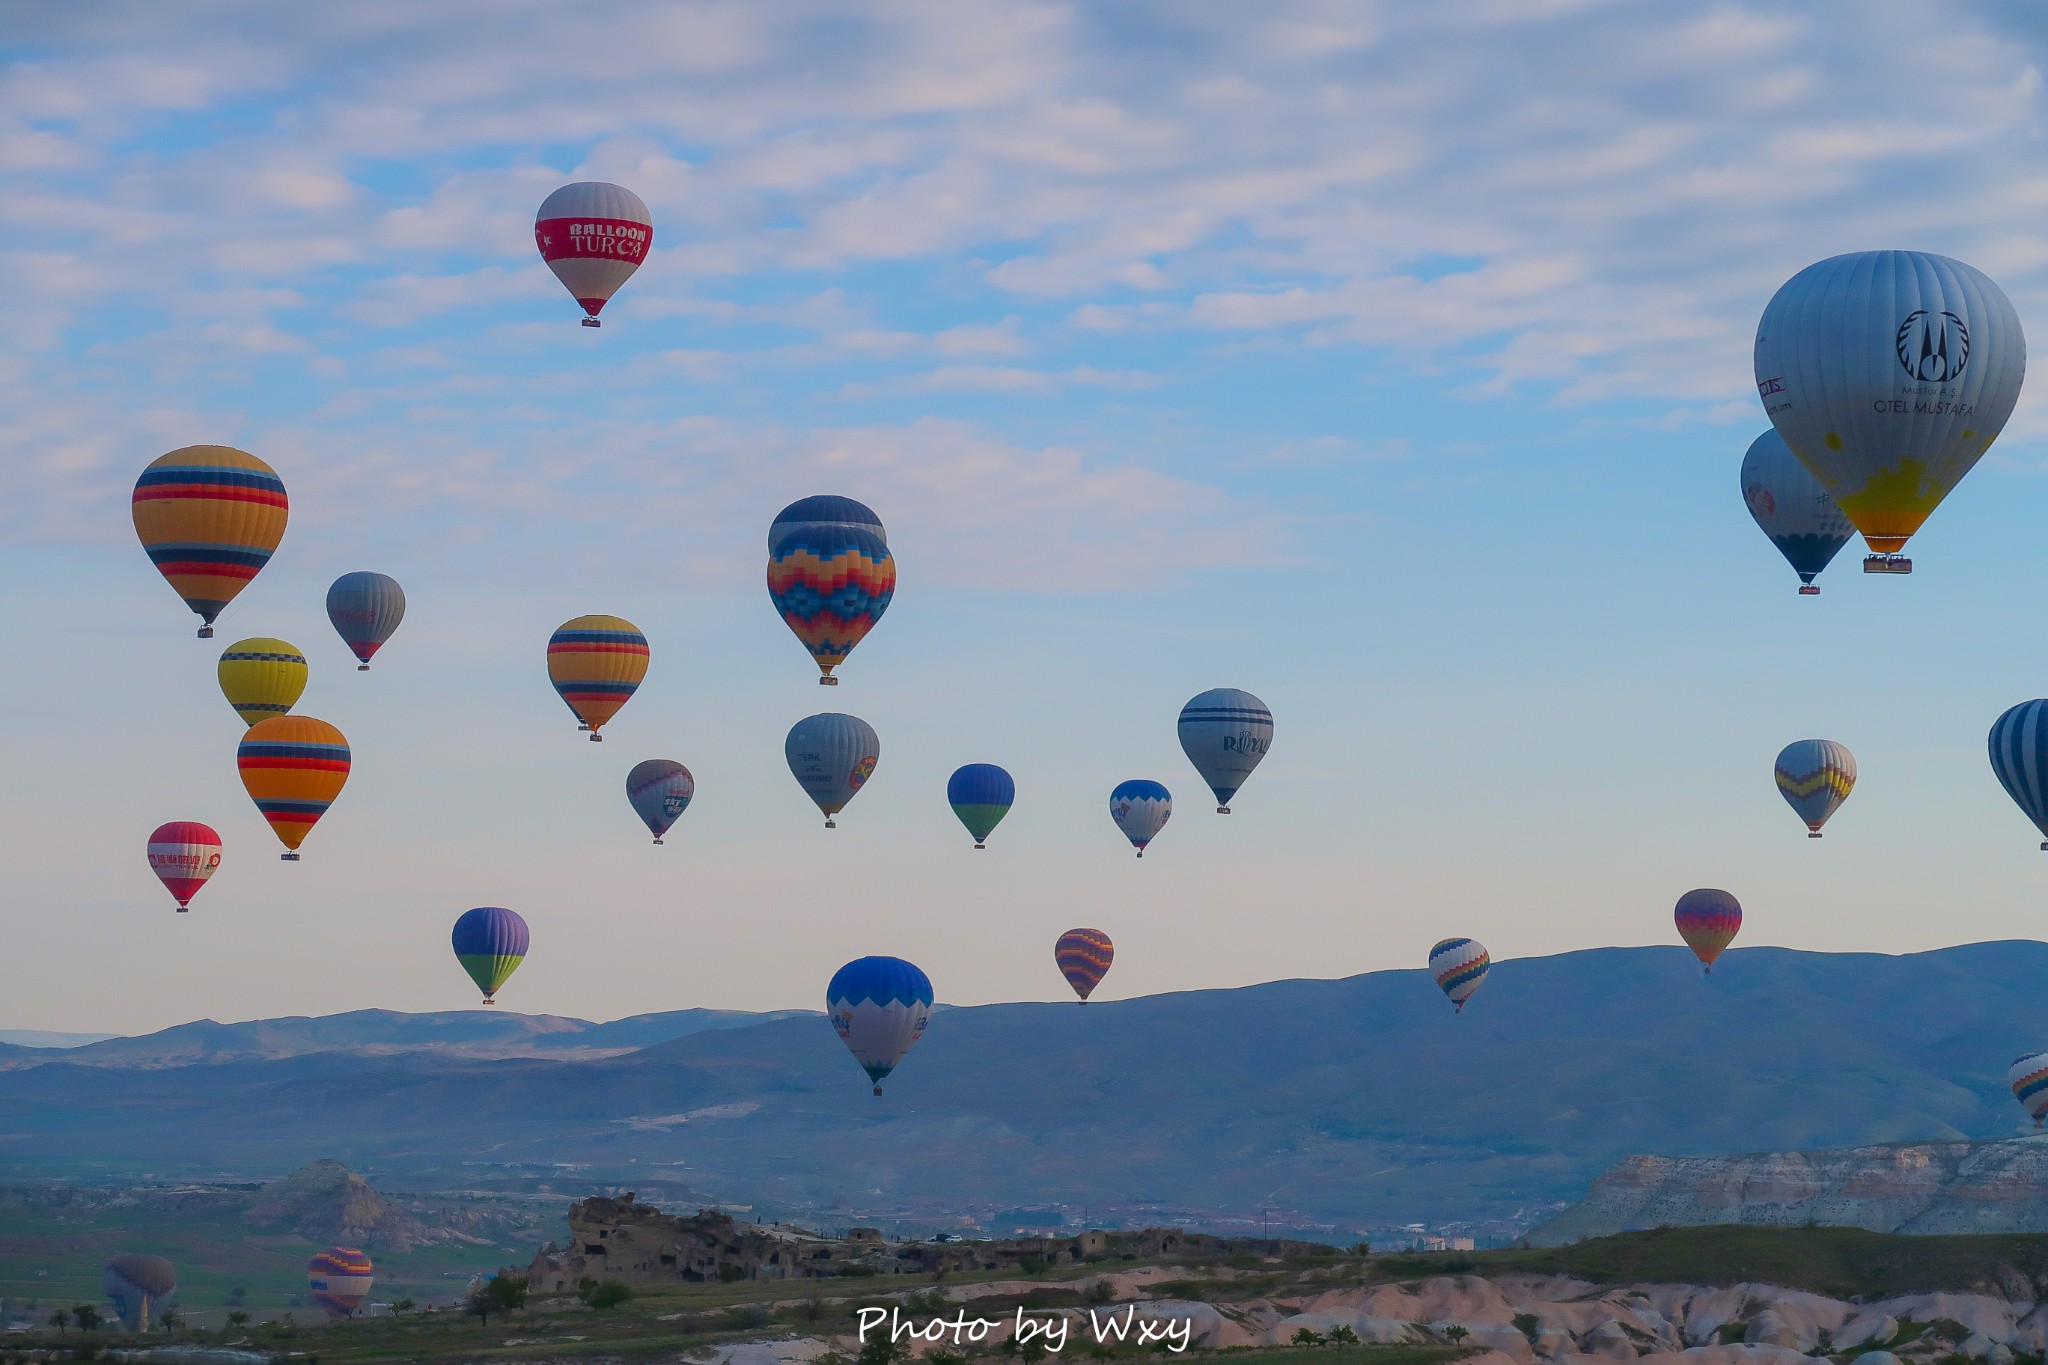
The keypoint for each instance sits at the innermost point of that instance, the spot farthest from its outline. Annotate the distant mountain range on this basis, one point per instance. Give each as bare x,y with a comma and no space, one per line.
1360,1101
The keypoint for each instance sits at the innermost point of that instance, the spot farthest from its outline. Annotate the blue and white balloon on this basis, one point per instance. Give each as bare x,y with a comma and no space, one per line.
1140,809
879,1006
2019,756
832,756
1225,732
1791,507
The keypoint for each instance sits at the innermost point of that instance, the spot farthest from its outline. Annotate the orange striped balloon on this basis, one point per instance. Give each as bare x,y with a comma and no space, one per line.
209,518
293,768
1084,956
596,663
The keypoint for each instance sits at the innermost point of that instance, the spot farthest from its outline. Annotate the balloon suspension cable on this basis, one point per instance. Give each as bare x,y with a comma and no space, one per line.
592,322
206,632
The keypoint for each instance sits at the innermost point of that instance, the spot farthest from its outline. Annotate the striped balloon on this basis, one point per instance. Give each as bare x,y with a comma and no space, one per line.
980,794
1459,965
490,943
1815,776
365,609
1141,809
1708,921
1084,956
593,235
183,854
660,790
261,677
596,663
879,1007
831,584
340,1279
832,756
209,517
2019,755
2028,1077
826,511
293,768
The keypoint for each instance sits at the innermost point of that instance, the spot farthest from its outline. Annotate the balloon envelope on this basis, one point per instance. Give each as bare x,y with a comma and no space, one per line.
830,585
827,511
660,790
1140,809
261,677
593,235
2019,756
365,609
183,854
1459,965
340,1279
596,663
1815,776
832,756
1791,507
293,767
139,1285
1707,920
209,518
1084,956
1889,374
981,795
1225,732
879,1007
490,943
2028,1077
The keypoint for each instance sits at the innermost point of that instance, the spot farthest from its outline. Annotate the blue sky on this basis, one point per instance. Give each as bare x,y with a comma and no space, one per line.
1389,361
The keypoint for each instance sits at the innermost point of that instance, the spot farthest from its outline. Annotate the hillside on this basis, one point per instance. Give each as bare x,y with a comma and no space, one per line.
1352,1102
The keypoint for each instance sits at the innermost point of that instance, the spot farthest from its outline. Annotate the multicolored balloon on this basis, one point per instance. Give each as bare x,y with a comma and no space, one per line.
981,795
1792,508
596,663
138,1285
1708,921
261,677
1140,809
183,854
490,943
365,609
1084,956
1815,776
593,235
1225,732
2019,756
2028,1077
826,512
1459,966
293,767
832,756
831,584
660,790
340,1279
1889,374
209,518
879,1007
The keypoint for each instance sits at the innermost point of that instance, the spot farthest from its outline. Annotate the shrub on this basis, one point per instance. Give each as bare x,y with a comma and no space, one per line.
608,1294
728,1273
1306,1337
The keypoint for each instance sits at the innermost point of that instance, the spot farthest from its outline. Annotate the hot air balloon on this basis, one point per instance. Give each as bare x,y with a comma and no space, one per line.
1084,956
1792,508
831,584
209,518
593,236
293,767
879,1007
980,795
1140,809
365,609
2028,1077
2019,755
660,790
183,854
139,1285
1707,920
1459,965
826,512
261,677
490,943
1225,732
832,756
1889,373
596,663
1815,776
340,1279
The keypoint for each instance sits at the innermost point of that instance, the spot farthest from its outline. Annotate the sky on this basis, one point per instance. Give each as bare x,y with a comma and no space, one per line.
1389,361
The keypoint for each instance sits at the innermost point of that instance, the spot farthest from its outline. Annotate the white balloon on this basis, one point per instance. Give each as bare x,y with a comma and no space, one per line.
1225,732
832,756
1791,507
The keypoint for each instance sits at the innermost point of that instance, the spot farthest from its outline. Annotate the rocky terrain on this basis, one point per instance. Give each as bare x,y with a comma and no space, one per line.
1929,1187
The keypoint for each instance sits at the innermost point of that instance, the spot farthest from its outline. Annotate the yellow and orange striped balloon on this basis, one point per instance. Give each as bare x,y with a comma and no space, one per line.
209,517
596,663
293,768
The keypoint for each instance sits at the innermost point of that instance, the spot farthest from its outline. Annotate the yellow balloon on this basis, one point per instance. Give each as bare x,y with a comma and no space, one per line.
262,677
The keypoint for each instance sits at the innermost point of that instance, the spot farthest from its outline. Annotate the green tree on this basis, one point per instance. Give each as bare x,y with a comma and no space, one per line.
881,1349
1305,1336
1342,1335
238,1318
60,1320
500,1294
404,1306
86,1316
1456,1333
171,1319
605,1294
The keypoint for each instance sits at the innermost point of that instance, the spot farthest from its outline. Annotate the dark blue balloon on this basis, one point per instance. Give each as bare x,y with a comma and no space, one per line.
981,784
490,930
879,981
826,510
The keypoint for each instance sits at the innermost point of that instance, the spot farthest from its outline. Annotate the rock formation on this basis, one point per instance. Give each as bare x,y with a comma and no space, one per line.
326,1202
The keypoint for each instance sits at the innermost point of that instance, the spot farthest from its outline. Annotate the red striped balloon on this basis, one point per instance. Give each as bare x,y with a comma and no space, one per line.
183,854
1708,921
1084,956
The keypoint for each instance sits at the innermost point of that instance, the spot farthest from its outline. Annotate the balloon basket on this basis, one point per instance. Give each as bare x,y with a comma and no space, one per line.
1813,834
830,825
2044,845
181,910
878,1090
979,847
1887,564
206,632
362,668
657,843
287,857
1223,810
596,738
1141,853
827,680
592,322
1809,589
490,1000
